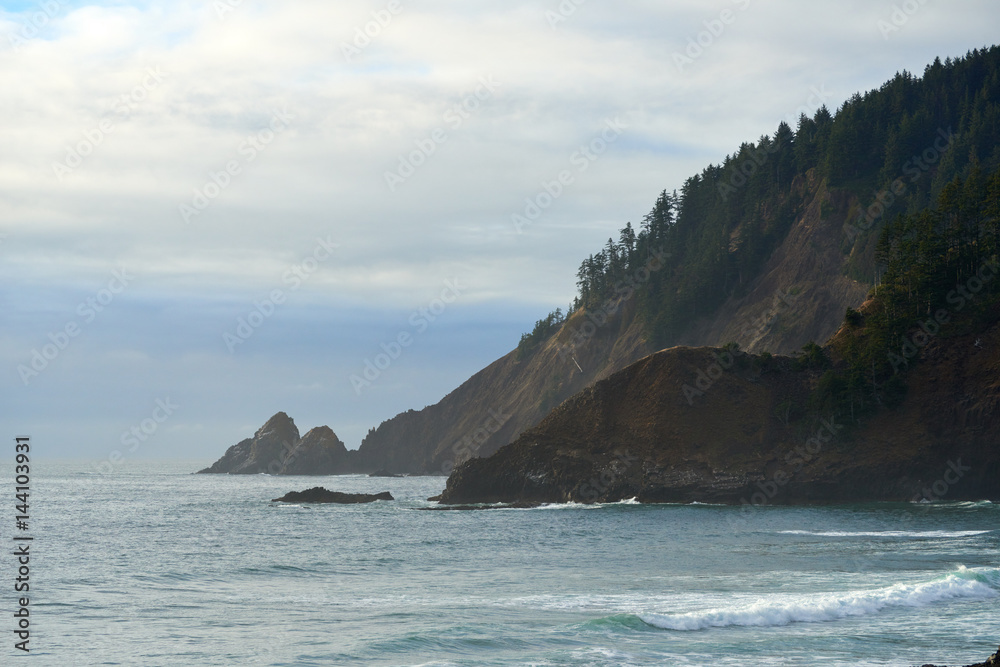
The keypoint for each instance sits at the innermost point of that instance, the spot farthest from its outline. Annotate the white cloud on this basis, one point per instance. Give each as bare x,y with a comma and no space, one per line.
222,82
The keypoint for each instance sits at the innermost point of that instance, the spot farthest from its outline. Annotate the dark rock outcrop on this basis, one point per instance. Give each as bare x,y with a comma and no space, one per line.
687,425
514,393
318,494
320,452
800,294
277,449
992,661
499,402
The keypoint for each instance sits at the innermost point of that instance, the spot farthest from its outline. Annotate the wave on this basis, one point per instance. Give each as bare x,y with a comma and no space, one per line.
618,622
940,534
570,506
817,608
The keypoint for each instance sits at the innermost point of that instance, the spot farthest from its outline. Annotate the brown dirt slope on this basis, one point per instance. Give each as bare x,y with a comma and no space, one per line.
507,397
802,292
652,431
801,295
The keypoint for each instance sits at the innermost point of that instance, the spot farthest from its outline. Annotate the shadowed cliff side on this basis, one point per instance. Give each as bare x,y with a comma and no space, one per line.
745,436
499,402
276,449
801,295
767,250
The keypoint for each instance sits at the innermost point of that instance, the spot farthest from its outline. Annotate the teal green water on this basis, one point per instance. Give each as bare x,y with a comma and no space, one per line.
153,566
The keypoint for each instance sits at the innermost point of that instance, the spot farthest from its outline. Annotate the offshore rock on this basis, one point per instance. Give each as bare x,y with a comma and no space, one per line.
277,449
320,495
992,661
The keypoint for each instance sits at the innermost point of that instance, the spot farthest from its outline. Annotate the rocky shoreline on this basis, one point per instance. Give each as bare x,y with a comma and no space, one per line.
992,661
747,438
318,494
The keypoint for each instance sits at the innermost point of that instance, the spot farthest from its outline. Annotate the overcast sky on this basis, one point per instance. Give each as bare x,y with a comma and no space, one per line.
168,168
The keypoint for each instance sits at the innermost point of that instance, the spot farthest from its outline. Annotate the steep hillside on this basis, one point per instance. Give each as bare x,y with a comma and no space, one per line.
901,405
511,394
767,250
802,291
744,438
800,296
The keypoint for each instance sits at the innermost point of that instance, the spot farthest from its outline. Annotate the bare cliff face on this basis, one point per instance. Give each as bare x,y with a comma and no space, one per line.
800,296
508,396
802,292
687,425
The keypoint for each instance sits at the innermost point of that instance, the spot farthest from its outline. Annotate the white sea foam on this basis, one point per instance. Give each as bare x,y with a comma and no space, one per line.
571,506
779,610
940,534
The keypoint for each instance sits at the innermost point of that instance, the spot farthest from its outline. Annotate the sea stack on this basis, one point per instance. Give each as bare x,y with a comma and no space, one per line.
277,449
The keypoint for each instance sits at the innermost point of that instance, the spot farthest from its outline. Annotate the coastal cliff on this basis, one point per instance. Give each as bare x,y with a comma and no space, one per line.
712,425
766,250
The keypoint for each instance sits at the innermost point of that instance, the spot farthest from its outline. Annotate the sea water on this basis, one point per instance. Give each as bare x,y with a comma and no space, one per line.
151,565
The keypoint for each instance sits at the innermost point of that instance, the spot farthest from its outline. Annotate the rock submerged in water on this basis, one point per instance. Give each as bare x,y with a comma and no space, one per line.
319,494
992,661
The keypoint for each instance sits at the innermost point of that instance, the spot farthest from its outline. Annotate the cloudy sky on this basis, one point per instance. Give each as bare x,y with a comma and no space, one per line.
215,210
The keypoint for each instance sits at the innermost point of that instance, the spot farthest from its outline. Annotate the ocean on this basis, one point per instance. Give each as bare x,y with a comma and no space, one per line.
151,565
